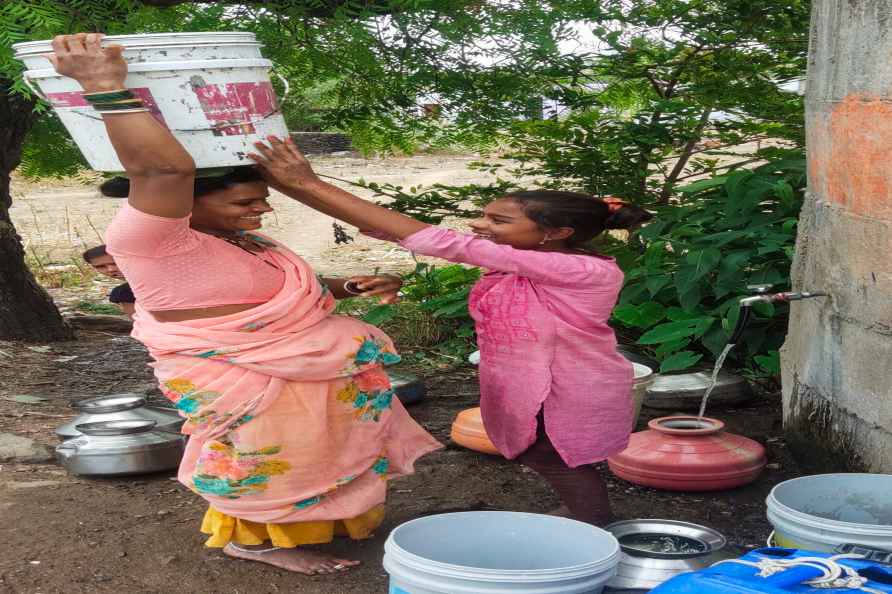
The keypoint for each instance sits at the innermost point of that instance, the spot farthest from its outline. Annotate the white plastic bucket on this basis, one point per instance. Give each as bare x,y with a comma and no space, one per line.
820,512
499,553
644,379
212,90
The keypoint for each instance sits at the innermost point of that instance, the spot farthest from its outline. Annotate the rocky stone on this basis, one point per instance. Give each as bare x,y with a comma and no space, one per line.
22,450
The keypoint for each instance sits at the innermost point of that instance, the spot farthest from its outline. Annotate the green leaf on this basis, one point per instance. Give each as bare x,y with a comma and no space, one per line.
691,299
679,361
640,316
715,339
769,362
667,348
735,186
732,271
675,330
704,184
676,314
699,263
656,282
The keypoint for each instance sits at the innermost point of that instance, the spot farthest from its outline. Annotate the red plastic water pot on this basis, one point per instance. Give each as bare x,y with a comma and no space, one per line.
468,431
688,454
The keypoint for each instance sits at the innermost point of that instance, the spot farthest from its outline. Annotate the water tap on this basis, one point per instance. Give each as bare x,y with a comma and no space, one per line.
762,295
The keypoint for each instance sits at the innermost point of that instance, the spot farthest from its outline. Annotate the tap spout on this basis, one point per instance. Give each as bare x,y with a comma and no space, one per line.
747,302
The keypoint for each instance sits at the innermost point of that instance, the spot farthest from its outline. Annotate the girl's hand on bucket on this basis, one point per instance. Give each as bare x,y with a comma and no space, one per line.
282,164
83,58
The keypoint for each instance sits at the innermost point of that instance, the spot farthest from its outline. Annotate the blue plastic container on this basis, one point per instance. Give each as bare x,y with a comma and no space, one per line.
734,578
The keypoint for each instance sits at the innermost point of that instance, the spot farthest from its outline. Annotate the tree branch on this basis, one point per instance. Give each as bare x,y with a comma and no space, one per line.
669,183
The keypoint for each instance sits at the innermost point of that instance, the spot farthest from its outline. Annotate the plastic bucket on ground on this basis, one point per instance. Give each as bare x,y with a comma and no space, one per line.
644,379
821,512
212,90
499,553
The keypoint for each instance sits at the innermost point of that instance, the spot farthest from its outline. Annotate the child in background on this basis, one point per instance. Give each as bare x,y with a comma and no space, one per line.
554,393
103,263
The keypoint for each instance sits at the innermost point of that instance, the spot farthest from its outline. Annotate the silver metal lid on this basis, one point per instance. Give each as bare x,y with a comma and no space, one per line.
116,427
110,404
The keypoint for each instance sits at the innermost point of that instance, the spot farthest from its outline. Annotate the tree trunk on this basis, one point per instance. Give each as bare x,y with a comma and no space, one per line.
26,311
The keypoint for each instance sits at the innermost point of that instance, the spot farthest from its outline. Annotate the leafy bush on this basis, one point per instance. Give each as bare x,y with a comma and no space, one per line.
683,288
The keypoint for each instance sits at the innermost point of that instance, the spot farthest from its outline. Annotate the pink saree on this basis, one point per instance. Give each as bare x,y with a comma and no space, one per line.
290,414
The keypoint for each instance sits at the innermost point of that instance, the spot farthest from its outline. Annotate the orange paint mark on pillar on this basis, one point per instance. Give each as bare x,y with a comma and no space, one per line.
850,156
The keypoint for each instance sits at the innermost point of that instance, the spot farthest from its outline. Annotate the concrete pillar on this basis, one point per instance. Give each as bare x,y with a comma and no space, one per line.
837,360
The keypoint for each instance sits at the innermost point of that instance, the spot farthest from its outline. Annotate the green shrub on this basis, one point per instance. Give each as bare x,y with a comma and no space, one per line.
682,292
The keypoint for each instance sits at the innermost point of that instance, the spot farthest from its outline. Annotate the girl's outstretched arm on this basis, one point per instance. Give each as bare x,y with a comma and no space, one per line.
288,171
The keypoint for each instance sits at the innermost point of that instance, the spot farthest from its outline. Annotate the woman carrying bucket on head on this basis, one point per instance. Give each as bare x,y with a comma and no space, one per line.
293,426
554,392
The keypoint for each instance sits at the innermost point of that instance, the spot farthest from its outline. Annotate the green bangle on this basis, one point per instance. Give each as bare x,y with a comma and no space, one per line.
109,96
117,106
129,110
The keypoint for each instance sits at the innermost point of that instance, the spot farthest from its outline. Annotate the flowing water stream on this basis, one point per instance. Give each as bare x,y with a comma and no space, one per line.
714,379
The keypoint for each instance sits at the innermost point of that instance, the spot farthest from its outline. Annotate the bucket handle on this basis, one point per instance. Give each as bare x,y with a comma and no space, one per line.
285,84
33,87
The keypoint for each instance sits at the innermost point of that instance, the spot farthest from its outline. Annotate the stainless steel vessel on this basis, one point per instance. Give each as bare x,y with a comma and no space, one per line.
111,448
119,407
684,391
654,551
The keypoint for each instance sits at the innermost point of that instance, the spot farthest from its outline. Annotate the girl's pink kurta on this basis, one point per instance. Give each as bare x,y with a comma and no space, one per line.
544,343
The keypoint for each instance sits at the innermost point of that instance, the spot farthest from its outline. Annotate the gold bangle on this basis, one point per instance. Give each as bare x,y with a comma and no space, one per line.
133,110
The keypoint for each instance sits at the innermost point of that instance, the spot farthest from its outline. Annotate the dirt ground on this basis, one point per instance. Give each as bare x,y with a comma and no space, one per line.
66,534
72,535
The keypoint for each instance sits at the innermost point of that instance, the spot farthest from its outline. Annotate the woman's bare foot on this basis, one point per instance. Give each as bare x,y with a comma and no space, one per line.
297,560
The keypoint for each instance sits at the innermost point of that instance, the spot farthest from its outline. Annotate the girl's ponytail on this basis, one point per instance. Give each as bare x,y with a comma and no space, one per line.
624,215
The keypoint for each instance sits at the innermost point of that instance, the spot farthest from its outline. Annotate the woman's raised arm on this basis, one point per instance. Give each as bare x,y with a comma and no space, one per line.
161,172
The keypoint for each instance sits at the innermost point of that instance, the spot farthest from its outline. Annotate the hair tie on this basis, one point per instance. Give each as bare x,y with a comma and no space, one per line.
614,204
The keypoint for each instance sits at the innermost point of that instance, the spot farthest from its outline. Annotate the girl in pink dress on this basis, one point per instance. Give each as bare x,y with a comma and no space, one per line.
554,392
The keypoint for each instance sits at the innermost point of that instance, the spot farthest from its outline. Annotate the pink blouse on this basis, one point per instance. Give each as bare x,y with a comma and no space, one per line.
541,321
169,265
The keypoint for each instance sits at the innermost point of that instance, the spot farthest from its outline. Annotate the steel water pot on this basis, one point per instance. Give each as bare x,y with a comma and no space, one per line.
119,407
113,448
654,551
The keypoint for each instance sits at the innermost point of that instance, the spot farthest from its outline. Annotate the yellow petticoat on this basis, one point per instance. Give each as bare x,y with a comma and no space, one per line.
224,529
